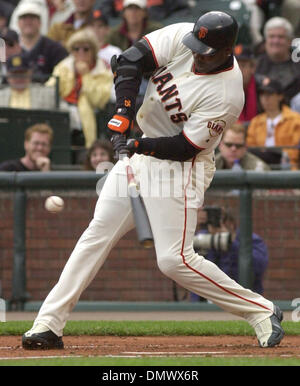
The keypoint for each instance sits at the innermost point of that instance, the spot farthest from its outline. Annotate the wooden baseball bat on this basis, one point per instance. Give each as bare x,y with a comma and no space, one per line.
143,228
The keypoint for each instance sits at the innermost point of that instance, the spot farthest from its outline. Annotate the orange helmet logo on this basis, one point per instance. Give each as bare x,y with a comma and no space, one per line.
202,33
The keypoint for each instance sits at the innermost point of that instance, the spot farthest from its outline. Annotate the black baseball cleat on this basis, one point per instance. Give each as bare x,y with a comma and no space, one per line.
41,338
269,332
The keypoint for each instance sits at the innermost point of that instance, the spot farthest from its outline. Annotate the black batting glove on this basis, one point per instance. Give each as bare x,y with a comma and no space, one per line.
119,143
140,146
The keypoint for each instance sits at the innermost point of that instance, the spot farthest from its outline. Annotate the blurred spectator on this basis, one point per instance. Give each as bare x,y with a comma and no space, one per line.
277,63
106,51
62,10
111,8
134,26
101,30
79,19
41,52
100,151
21,92
277,126
37,146
246,61
12,47
6,10
261,11
161,9
3,20
228,261
233,148
84,83
291,11
158,9
12,44
42,9
257,20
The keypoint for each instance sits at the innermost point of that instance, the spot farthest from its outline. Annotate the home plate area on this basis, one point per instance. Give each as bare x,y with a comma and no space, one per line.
154,346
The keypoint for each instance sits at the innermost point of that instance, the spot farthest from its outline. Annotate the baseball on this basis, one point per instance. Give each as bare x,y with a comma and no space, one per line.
54,204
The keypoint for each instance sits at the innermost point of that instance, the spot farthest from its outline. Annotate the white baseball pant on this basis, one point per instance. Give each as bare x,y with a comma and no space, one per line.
173,221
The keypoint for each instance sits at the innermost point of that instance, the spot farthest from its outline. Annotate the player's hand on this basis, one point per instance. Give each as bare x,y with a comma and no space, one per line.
133,146
43,164
121,123
139,146
119,143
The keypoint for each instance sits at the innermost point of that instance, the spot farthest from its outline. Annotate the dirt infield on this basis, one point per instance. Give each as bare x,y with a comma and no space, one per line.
183,346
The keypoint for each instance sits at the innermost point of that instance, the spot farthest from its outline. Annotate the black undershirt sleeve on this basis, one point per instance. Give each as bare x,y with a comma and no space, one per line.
176,148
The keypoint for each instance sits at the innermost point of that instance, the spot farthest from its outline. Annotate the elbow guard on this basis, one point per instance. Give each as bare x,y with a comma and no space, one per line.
133,63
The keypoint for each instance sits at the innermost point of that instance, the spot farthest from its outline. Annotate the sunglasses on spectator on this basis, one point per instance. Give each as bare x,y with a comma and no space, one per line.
84,49
237,145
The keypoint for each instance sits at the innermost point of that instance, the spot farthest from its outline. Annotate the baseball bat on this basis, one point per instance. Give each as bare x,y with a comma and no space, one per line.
143,228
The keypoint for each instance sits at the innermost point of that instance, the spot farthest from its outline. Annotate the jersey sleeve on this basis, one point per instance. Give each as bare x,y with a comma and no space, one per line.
166,42
204,132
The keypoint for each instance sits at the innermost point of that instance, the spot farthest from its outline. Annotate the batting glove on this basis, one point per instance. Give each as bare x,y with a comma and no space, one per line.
140,146
119,144
133,146
121,123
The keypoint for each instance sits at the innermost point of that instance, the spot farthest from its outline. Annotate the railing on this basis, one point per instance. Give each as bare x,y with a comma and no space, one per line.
246,182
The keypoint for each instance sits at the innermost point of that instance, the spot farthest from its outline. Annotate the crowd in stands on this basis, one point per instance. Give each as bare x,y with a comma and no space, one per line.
58,55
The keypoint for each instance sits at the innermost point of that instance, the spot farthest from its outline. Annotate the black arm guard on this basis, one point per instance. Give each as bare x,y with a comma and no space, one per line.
175,148
133,63
128,70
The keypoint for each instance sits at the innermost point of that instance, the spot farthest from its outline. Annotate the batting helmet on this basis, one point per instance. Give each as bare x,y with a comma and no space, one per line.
212,31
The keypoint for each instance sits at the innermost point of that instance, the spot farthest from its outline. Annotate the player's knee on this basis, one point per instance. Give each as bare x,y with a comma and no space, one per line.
169,264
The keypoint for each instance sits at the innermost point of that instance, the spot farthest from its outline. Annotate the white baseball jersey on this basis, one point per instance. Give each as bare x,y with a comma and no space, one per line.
178,98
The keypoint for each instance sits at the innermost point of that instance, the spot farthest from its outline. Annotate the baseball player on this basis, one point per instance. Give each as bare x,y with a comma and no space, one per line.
195,93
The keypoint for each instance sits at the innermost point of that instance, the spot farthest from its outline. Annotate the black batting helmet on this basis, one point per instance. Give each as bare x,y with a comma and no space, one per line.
212,31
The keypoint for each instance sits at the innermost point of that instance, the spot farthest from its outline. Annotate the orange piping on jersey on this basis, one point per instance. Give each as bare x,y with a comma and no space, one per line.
192,268
153,53
192,143
210,73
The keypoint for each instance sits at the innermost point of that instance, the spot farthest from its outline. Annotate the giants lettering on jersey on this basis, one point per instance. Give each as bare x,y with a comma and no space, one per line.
216,127
168,96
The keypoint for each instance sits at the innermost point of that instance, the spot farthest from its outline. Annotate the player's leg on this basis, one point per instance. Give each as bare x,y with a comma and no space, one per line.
173,231
112,219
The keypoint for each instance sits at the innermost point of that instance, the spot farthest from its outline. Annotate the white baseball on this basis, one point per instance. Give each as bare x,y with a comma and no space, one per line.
54,204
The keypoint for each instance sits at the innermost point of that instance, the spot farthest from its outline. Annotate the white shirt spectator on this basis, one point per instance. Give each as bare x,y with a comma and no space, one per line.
44,12
62,14
107,52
